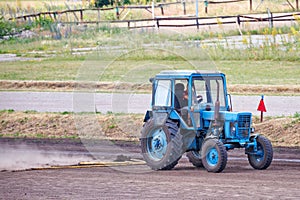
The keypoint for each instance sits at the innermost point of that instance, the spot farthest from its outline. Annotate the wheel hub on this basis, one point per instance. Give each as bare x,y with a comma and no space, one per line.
212,157
157,144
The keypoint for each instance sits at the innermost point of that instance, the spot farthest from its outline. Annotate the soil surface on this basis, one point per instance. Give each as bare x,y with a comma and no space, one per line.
238,180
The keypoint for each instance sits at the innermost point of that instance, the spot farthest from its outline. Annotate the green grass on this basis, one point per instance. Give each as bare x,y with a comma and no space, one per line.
261,72
296,120
48,69
265,72
297,115
6,111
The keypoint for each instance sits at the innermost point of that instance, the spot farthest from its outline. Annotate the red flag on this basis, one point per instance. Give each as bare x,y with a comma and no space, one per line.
261,106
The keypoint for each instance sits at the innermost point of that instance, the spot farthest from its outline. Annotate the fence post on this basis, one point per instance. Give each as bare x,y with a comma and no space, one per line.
239,24
291,5
162,10
250,5
81,15
117,12
50,16
197,22
98,11
153,11
10,11
54,16
197,8
184,7
297,4
206,6
70,10
270,15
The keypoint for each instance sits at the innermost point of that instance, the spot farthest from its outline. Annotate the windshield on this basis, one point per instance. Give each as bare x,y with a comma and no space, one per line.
205,90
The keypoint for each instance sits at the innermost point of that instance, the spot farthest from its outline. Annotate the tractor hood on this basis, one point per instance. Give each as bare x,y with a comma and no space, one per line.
237,125
224,115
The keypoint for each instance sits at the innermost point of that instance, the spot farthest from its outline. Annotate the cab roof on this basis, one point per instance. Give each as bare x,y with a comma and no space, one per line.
185,73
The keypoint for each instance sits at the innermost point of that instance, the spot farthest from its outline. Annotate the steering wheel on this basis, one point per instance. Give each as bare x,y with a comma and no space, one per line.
199,98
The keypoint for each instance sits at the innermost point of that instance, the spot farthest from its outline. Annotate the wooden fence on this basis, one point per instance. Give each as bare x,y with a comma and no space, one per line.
159,22
197,21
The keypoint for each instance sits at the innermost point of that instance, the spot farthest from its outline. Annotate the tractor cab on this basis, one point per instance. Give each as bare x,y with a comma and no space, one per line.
189,92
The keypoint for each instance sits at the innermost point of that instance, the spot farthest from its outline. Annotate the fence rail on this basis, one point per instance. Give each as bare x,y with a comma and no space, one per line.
196,21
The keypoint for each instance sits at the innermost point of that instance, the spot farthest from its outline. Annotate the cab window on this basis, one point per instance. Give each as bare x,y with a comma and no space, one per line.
162,91
206,90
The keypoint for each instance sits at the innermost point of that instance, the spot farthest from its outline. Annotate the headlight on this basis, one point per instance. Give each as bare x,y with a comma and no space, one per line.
232,127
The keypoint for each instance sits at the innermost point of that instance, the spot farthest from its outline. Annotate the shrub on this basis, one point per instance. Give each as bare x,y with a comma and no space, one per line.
6,27
101,3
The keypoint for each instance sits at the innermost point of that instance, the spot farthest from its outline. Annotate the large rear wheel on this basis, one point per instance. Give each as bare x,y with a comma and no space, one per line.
214,155
261,159
161,145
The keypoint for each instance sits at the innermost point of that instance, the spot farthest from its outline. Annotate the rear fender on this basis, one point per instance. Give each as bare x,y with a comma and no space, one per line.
159,117
175,116
148,115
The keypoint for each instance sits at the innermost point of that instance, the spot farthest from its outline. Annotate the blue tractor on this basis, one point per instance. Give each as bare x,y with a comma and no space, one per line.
191,112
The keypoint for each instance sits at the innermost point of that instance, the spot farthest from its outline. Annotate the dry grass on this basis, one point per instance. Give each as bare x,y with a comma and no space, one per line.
137,87
34,125
35,4
265,89
72,85
281,131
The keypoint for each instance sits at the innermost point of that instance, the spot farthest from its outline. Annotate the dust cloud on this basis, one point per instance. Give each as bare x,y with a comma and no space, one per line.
23,157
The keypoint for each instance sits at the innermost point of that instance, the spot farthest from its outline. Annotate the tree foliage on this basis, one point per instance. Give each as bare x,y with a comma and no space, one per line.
102,3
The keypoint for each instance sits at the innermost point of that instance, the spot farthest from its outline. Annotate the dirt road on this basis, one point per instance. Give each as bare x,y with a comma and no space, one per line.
238,180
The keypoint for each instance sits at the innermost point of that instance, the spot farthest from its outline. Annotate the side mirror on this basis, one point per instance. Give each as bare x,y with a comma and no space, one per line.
230,103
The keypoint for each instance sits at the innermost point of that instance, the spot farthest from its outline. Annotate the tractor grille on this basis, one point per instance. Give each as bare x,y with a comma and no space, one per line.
244,125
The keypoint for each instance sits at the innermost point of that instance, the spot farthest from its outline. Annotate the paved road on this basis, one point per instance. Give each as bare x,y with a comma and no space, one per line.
127,103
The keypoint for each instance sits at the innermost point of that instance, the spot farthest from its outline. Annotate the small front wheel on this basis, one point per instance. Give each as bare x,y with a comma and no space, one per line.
214,155
263,157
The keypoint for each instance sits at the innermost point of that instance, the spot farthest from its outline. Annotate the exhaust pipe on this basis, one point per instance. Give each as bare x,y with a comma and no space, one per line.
217,105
